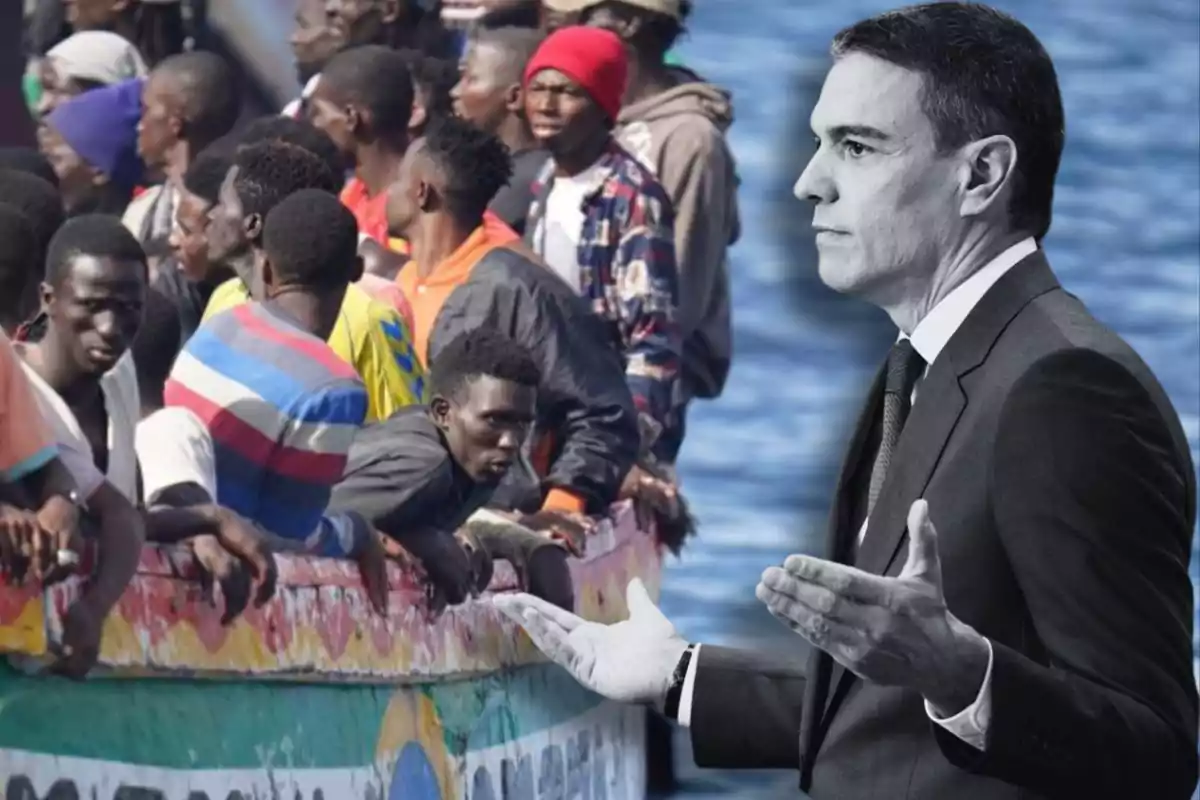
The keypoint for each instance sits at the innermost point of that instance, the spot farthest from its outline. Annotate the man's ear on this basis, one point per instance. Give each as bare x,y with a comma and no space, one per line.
356,120
514,99
45,295
986,173
439,408
426,195
252,226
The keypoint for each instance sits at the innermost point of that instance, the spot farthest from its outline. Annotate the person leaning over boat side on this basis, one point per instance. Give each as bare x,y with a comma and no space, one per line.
188,102
369,336
91,141
86,388
675,123
463,276
280,406
178,496
601,220
491,96
418,475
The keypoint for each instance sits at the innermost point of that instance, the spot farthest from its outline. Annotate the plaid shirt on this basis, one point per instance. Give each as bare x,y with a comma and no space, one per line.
627,270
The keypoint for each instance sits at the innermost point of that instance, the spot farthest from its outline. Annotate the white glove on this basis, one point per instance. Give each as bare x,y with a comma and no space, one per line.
631,661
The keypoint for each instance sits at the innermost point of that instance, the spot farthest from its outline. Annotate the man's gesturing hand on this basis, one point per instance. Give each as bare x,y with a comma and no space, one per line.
890,631
631,661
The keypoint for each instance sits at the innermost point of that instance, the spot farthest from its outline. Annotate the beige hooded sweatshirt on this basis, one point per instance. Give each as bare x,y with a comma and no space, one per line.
680,135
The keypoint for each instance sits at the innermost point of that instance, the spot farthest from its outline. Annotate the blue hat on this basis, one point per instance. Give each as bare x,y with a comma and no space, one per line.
101,126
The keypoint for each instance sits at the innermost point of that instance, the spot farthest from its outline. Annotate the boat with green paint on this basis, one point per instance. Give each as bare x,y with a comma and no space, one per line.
312,696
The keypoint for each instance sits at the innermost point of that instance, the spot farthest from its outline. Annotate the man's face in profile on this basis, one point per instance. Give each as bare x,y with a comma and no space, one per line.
886,202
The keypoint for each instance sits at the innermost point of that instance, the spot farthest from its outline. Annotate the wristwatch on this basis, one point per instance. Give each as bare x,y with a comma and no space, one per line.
675,690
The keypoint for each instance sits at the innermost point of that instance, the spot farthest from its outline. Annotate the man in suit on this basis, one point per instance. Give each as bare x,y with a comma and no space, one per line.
1039,643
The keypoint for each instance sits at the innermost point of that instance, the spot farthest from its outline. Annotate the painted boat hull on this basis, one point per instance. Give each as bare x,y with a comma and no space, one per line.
312,697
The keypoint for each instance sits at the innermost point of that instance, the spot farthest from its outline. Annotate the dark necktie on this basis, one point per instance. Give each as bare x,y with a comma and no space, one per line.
904,366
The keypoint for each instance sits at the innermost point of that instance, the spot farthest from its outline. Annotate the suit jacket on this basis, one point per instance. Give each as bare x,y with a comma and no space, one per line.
1062,488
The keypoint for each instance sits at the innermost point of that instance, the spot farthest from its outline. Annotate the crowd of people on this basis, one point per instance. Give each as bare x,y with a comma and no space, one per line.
451,275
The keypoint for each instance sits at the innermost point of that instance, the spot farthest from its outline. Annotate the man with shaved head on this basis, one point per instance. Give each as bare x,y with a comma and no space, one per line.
188,102
489,95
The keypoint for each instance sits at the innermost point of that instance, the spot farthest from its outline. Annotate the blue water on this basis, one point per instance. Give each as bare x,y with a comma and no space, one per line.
759,463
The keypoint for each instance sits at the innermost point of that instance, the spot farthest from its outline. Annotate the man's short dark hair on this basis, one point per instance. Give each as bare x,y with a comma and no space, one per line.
207,172
516,46
377,78
20,258
208,87
156,346
478,352
434,78
38,200
96,235
311,240
28,159
475,165
270,171
298,132
984,74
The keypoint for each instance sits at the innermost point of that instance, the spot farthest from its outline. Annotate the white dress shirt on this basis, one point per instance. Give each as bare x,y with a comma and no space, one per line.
929,338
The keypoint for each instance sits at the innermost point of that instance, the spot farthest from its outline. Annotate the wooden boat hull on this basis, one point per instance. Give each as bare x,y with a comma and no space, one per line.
311,697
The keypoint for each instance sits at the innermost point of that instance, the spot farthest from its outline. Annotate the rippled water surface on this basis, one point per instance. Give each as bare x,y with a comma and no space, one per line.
759,464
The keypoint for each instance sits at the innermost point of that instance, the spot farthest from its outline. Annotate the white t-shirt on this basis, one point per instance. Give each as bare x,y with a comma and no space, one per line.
174,446
562,224
123,406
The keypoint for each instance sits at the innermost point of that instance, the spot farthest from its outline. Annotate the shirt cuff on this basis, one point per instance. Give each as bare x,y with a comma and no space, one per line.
684,717
564,500
971,724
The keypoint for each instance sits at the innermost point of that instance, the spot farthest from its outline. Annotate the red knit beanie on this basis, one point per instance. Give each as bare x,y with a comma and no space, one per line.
592,57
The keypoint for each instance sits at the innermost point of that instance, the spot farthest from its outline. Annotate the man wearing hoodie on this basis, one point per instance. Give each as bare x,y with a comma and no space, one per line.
675,122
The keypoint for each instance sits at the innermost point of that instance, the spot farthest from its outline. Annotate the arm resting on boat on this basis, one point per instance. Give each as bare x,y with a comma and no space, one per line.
745,710
120,535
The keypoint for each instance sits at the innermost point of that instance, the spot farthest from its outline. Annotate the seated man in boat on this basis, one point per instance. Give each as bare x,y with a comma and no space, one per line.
281,408
462,278
369,335
420,474
601,220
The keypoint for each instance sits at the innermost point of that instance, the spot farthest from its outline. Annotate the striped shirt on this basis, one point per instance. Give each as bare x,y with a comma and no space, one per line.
282,410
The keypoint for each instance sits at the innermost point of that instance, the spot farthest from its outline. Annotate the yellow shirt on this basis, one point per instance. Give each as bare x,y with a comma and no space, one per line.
370,336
